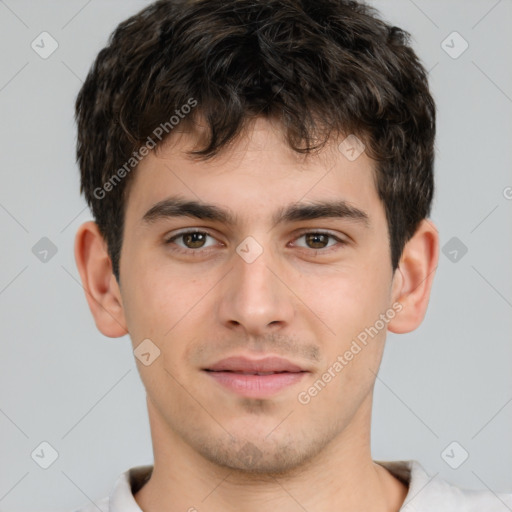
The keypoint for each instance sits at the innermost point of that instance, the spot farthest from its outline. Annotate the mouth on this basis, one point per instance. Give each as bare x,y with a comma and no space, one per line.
255,378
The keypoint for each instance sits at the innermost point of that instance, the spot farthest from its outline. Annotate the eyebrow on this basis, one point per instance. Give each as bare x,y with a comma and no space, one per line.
175,206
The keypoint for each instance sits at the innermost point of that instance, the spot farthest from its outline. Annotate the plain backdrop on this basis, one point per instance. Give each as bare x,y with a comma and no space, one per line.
445,388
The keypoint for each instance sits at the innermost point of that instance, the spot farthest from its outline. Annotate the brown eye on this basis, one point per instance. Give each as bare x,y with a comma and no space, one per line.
190,240
317,240
194,240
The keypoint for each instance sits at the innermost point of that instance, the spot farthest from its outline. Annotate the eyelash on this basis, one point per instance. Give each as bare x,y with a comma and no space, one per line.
201,250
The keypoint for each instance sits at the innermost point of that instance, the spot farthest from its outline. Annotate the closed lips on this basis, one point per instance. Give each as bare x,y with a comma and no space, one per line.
246,366
248,373
256,378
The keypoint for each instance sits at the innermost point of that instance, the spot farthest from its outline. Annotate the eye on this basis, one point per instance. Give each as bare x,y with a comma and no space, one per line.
319,240
192,240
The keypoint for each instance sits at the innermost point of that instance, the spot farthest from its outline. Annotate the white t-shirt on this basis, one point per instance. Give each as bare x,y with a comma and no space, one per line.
426,493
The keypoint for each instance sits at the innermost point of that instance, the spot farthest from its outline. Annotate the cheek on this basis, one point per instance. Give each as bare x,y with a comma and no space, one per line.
349,298
351,305
149,300
167,305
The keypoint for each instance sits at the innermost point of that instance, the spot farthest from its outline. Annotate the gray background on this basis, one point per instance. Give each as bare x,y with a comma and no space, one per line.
64,383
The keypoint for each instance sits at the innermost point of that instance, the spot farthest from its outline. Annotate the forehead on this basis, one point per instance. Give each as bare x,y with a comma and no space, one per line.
254,176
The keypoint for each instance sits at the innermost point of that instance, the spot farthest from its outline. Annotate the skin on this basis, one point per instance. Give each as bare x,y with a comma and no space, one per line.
296,300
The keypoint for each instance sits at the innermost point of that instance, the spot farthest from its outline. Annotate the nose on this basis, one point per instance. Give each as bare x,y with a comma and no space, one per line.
255,297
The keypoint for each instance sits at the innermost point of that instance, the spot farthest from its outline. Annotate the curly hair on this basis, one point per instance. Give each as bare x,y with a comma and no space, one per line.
320,67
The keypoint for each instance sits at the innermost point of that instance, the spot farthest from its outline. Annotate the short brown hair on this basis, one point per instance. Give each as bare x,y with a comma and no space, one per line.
318,66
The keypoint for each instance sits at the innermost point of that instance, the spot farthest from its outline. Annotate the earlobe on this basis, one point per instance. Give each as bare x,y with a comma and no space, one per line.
413,278
101,288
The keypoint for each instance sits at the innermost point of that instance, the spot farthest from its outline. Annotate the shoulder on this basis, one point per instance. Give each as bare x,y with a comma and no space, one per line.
442,495
431,493
121,498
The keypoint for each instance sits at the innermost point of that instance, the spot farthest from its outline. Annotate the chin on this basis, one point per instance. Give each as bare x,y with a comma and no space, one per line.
272,457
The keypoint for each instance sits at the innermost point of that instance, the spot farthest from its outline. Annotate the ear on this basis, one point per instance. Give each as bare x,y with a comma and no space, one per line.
100,285
413,278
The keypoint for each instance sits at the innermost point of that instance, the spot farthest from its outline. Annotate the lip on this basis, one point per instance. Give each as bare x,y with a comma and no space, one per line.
246,364
239,374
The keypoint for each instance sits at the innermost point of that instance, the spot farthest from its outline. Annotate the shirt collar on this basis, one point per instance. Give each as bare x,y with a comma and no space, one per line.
121,498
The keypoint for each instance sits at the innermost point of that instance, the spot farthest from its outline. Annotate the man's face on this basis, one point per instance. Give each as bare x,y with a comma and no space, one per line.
255,289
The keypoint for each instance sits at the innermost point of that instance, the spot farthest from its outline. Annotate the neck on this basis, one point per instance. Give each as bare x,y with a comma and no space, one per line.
342,476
